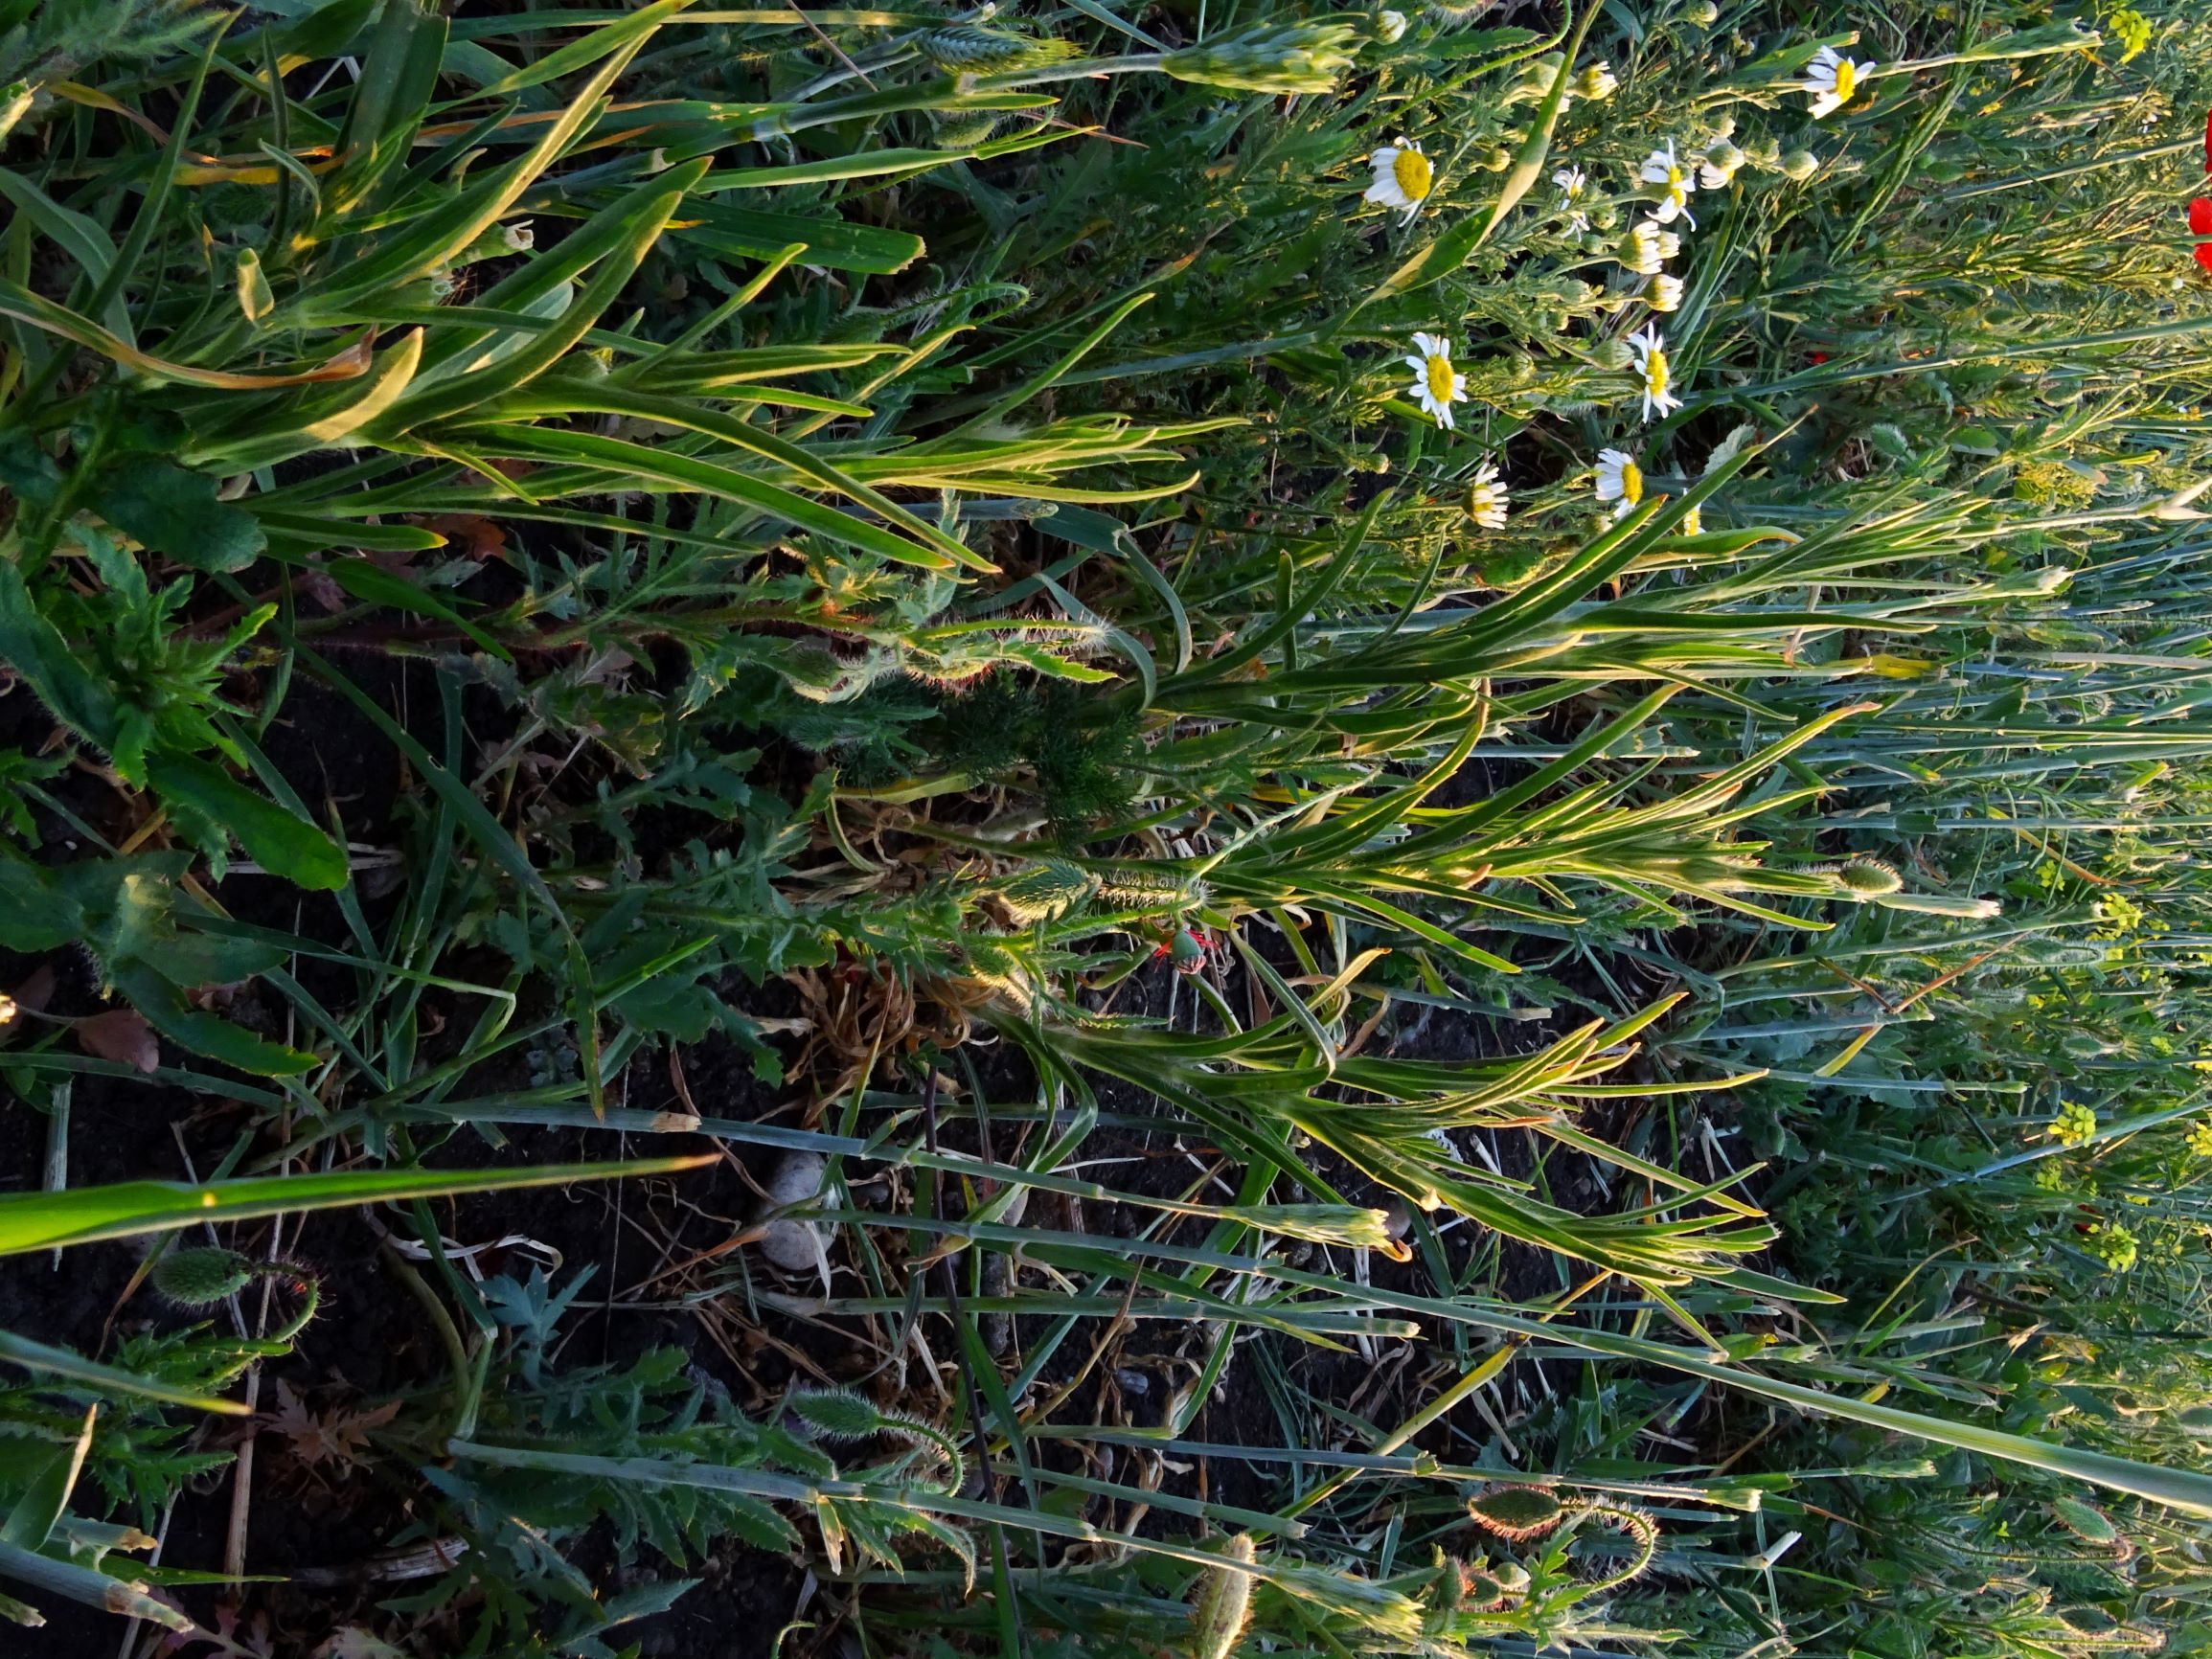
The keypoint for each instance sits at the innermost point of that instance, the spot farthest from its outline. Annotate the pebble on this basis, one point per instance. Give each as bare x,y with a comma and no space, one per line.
793,1243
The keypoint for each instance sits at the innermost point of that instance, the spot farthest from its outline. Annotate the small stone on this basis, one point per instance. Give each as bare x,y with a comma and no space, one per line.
794,1243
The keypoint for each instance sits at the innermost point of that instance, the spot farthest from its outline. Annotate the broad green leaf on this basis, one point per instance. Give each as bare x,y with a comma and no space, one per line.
282,844
34,649
154,995
174,511
33,915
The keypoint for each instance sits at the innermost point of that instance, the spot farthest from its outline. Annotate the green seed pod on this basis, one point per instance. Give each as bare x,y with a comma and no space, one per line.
1300,57
964,48
959,131
1225,1604
1869,877
1046,890
1150,891
1514,1512
201,1277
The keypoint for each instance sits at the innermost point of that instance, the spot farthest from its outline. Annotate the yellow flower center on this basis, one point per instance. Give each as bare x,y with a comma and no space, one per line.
1655,373
1414,175
1846,79
1440,379
1631,483
1693,523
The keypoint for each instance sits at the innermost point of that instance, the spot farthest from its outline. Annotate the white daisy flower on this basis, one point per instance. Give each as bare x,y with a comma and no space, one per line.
1717,167
1436,384
1642,252
1675,182
1620,481
1573,182
1389,27
1663,294
1670,246
1651,367
1596,82
1831,79
1404,176
1486,497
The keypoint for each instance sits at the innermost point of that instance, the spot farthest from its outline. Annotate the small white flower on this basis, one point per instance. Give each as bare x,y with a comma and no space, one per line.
1404,176
1675,182
1389,27
1717,167
1572,182
1833,78
1693,522
1436,384
1645,250
1596,82
1651,367
1620,480
1486,497
1670,246
1664,293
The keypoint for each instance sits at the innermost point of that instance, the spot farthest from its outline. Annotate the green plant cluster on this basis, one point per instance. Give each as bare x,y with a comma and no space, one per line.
1568,647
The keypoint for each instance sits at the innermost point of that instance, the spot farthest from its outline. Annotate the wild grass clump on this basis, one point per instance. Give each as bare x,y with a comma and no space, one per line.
1424,785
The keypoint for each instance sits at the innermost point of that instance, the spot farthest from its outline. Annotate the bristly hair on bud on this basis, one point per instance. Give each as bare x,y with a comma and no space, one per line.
1297,57
1868,877
1225,1604
204,1276
1516,1512
968,49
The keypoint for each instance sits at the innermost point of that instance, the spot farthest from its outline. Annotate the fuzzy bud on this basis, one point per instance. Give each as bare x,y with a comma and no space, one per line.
1300,57
1800,164
204,1276
1868,877
1514,1512
965,49
1225,1604
1389,27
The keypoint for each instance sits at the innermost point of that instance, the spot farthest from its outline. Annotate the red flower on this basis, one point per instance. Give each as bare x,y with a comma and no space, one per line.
2204,254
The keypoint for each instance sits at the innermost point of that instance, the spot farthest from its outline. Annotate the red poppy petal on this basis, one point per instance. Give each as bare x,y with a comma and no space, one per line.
2200,216
2204,254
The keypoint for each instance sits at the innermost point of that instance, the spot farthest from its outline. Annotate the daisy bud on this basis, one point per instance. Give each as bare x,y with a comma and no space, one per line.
1703,13
1389,27
1764,153
1718,164
1800,164
1614,354
1596,83
1665,294
1496,159
1724,127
